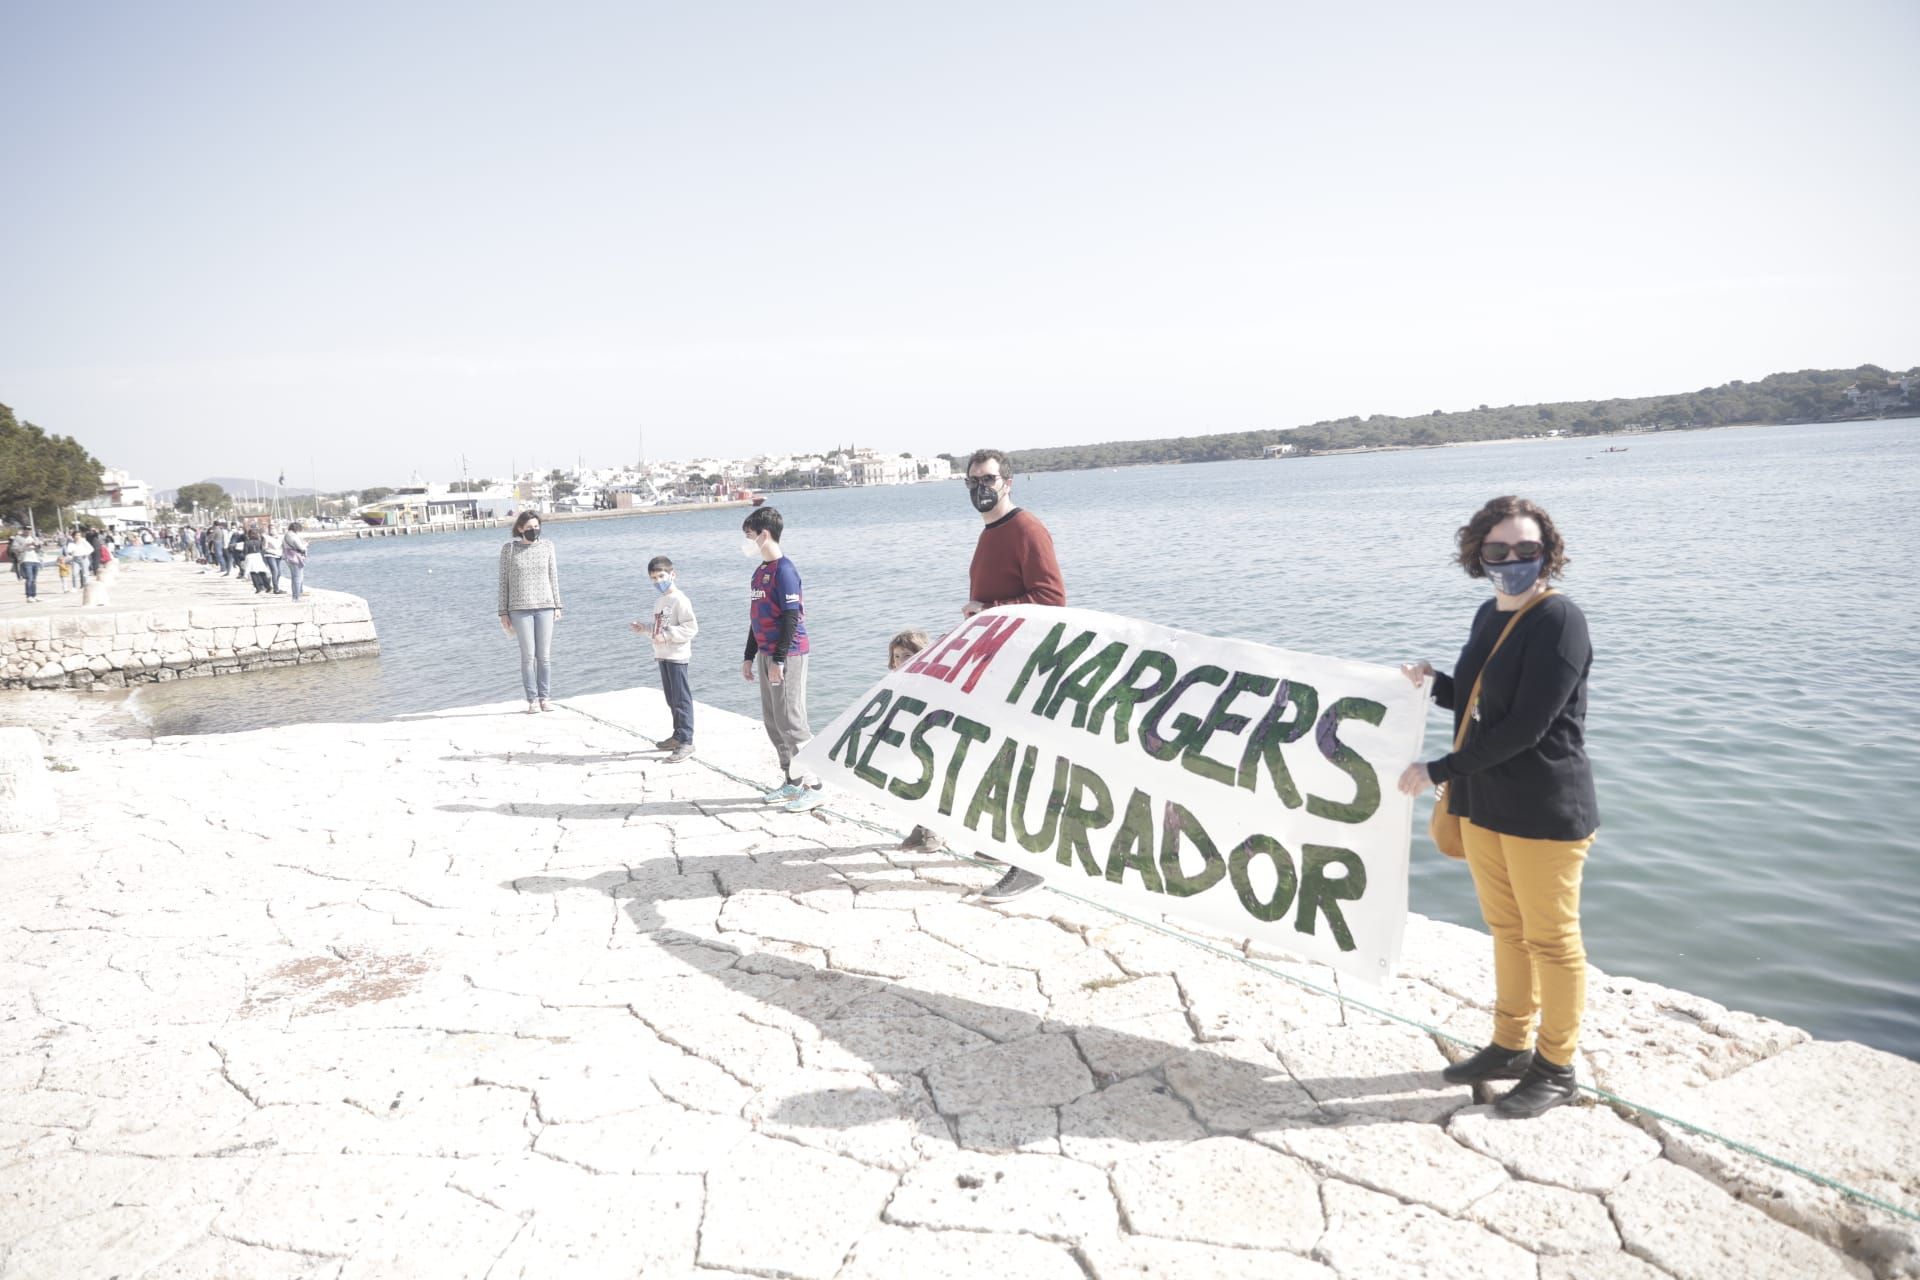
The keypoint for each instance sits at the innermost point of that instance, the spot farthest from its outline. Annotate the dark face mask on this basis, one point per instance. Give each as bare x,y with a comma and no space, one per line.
531,535
984,499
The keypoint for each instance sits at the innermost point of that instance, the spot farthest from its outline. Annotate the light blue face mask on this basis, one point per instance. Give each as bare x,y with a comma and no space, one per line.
1515,577
663,585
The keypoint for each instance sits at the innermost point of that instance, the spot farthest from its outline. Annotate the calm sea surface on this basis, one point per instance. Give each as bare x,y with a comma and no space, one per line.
1755,716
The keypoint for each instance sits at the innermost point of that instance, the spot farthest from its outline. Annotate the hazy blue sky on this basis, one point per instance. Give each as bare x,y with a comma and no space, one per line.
235,238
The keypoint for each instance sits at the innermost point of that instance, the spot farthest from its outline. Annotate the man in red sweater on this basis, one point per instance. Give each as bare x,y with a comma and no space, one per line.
1013,563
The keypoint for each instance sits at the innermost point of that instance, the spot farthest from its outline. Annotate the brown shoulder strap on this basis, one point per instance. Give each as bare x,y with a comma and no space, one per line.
1466,715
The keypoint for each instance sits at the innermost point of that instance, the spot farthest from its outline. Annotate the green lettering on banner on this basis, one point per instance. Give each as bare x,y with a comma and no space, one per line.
1220,719
1180,823
1274,731
1133,845
1085,681
1366,783
1284,884
1042,840
970,731
889,735
924,754
1158,745
1076,817
1324,895
1049,660
850,739
1123,696
990,797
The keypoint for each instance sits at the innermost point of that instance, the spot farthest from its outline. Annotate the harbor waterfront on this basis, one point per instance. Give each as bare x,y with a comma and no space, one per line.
1752,701
473,992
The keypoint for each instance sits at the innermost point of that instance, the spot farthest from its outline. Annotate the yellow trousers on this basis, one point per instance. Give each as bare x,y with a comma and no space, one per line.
1530,898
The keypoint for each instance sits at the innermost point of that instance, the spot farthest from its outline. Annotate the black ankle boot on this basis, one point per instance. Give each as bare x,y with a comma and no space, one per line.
1490,1063
1544,1087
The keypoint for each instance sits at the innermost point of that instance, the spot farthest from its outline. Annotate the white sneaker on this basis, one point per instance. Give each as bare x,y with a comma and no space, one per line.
809,799
783,793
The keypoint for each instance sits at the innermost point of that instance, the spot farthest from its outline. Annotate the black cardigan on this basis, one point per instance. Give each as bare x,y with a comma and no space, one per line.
1523,769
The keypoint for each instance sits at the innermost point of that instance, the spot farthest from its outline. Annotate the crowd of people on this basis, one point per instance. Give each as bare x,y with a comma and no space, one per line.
83,556
1518,788
78,558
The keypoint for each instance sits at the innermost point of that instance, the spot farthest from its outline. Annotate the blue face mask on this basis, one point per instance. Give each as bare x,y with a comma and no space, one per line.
663,585
1514,577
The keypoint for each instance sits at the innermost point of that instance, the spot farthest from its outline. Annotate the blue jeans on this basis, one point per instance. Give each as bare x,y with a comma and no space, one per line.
273,570
533,628
673,683
30,570
296,575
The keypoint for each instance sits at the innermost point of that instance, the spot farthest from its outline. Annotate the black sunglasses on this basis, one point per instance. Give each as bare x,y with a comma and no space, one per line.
983,482
1495,552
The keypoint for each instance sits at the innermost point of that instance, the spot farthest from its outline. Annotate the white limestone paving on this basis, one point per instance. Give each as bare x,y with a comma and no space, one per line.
480,993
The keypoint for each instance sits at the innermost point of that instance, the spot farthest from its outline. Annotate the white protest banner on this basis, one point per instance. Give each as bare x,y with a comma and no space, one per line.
1243,787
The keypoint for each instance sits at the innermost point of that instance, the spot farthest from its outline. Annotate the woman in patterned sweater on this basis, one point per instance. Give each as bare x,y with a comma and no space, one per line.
530,605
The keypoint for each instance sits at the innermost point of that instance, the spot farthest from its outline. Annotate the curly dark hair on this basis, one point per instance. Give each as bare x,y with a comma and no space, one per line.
1474,532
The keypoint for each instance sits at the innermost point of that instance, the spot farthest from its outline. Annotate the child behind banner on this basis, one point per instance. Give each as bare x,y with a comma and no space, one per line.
900,651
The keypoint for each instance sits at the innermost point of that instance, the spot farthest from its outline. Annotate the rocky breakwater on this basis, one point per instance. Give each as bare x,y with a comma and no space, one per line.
81,648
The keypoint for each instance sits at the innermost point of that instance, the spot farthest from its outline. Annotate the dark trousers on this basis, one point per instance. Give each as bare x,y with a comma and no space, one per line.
673,682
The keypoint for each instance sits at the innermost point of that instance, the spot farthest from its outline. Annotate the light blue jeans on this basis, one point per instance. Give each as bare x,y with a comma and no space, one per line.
297,576
533,628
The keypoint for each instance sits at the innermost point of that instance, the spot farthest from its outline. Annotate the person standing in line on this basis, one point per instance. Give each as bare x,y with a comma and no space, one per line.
237,550
293,549
76,553
255,561
672,629
530,605
777,648
1522,786
1013,563
26,559
270,552
16,546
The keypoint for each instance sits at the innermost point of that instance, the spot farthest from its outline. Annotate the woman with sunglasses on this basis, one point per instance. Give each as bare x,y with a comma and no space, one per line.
1520,782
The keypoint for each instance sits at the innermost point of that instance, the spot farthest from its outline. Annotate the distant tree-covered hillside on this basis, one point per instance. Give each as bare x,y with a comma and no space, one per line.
1811,395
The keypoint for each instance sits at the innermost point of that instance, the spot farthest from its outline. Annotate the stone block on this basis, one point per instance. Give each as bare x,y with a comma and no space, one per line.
1370,1234
132,624
170,620
213,617
1409,1161
777,1208
1047,1196
1581,1148
1223,1191
1689,1228
347,632
1548,1220
1036,1071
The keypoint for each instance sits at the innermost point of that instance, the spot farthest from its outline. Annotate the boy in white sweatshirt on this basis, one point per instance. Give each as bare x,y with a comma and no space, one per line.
672,631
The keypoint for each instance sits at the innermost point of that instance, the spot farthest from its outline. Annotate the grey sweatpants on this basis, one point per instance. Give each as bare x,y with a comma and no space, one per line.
783,710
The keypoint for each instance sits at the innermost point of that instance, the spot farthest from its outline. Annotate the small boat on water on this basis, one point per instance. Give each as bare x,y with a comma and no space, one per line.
1616,448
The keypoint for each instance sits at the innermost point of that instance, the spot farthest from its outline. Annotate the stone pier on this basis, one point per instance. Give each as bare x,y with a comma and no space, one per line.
484,993
172,622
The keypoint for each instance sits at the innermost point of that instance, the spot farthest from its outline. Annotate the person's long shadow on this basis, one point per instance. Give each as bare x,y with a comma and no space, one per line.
997,1046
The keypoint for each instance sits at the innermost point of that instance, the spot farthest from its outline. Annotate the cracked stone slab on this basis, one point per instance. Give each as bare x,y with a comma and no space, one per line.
1692,1229
1048,1196
1370,1234
1124,1121
1011,1129
1789,1106
1235,1086
1148,1258
885,1122
347,1200
895,1252
1581,1148
1222,1191
825,1203
662,1139
1406,1160
1548,1220
1041,1070
1383,1073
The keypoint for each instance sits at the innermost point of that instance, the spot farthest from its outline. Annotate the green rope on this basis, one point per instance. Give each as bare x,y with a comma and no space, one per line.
1612,1099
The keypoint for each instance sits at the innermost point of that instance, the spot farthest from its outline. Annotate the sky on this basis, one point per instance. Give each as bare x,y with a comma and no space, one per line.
357,243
